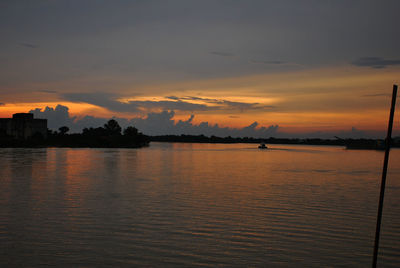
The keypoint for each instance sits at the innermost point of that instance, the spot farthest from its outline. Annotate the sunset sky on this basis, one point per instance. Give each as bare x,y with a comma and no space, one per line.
296,68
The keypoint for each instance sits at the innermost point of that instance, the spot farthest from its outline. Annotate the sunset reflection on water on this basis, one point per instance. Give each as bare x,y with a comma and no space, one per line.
196,205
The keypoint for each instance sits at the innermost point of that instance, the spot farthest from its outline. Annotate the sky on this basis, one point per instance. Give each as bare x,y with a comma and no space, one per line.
283,68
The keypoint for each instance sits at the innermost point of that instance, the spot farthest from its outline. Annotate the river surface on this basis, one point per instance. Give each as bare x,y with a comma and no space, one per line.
191,205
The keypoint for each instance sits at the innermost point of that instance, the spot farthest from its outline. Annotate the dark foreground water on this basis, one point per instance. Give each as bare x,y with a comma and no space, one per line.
196,205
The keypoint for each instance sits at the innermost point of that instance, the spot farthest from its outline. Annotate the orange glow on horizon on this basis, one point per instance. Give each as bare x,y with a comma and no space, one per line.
326,99
75,109
292,122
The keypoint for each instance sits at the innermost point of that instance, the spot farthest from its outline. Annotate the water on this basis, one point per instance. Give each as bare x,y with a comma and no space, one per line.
196,205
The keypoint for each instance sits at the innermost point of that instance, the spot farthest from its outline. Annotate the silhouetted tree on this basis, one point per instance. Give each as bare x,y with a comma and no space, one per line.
63,130
112,127
85,131
97,132
131,131
108,136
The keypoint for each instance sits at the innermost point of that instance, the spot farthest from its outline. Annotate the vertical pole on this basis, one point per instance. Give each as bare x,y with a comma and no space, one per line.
383,183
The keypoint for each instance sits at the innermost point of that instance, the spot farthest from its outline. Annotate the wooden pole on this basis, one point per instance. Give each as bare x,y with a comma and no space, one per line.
384,172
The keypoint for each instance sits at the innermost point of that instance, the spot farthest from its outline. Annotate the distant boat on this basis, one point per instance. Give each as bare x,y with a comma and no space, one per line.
262,146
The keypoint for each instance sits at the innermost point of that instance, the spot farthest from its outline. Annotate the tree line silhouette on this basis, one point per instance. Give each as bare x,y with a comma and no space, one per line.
111,135
108,136
348,143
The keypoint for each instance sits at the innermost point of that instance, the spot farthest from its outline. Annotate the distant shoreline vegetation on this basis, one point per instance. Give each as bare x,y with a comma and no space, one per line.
349,143
108,136
112,136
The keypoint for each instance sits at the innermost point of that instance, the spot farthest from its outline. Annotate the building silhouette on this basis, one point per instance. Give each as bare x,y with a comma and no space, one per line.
23,126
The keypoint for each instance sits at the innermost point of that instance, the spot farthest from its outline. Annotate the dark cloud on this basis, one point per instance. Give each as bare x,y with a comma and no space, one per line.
222,54
57,117
172,98
191,98
243,106
170,105
2,104
163,124
102,99
190,37
91,121
225,104
153,124
110,101
28,45
375,62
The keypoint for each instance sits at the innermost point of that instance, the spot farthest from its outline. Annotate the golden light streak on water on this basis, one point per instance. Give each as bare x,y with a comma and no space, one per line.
196,205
